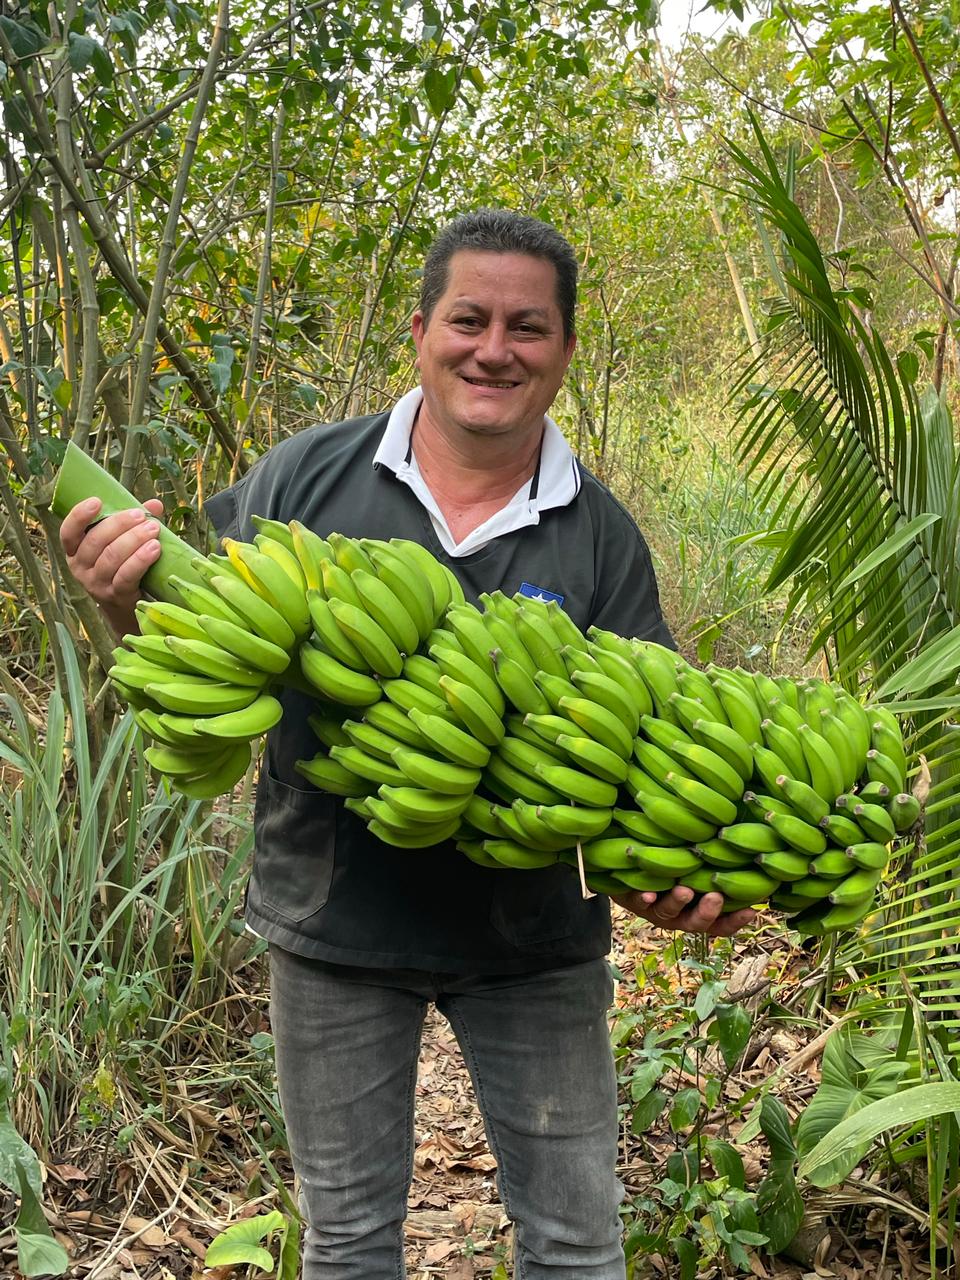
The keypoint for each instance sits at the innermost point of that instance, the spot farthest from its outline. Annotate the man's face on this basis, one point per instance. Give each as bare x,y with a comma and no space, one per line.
493,355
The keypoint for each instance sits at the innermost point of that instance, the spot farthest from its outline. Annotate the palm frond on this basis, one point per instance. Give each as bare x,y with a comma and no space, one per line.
865,472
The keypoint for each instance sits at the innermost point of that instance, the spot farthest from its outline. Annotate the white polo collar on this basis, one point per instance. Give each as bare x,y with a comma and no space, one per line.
555,483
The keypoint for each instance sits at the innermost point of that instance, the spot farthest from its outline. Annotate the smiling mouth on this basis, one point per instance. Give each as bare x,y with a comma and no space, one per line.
490,383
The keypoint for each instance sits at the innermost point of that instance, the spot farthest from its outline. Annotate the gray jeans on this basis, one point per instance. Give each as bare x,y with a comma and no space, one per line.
538,1050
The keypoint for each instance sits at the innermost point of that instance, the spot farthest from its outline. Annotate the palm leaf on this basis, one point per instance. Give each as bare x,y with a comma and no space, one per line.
865,475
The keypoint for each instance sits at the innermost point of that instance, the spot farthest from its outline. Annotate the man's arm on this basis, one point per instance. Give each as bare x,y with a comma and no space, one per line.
109,558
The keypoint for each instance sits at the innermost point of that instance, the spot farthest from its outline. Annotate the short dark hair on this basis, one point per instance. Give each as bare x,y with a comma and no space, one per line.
501,231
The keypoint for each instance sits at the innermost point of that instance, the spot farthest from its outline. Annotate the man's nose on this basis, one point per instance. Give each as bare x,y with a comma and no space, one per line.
494,346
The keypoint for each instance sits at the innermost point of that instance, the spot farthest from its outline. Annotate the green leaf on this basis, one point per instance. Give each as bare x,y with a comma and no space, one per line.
726,1160
936,663
17,1155
240,1243
909,1107
647,1111
38,1253
775,1123
707,997
684,1110
888,549
688,1255
732,1028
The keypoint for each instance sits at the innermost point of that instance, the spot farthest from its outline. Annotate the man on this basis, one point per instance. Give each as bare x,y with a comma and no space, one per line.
364,936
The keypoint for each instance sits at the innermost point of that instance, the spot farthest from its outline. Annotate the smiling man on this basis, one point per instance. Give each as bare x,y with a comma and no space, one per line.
362,936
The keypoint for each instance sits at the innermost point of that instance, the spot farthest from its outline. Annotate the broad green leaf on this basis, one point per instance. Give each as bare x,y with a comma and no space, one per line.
646,1112
688,1255
240,1243
726,1160
848,1137
733,1026
38,1253
16,1155
684,1110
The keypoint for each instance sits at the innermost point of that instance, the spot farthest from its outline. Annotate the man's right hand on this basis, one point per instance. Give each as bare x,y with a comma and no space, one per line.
109,558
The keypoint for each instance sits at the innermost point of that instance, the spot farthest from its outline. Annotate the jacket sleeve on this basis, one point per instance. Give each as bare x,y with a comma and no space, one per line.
627,599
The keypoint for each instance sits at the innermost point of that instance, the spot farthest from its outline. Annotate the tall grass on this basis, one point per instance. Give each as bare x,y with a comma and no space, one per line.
116,908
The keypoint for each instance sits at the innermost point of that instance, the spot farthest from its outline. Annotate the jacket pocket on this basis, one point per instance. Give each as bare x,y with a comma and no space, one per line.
532,907
295,849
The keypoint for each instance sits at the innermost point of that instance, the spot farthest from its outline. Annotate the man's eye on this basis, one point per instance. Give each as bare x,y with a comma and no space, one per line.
467,321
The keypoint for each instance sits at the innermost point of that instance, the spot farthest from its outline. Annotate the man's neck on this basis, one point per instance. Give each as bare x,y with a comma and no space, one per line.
472,479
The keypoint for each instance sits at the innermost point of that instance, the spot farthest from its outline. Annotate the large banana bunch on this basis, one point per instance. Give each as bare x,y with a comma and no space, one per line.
507,729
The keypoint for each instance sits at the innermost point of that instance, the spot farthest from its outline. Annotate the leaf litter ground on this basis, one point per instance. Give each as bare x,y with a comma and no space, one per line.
150,1213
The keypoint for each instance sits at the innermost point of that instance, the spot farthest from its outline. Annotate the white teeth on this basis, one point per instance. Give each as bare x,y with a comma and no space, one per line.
476,382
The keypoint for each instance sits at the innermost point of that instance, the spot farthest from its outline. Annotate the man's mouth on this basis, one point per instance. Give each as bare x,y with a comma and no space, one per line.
489,382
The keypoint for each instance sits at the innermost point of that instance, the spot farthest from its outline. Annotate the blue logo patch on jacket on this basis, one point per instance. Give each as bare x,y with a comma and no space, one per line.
539,593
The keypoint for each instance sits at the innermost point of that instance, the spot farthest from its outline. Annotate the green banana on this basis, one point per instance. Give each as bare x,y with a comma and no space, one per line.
724,856
275,529
826,773
183,762
381,654
904,810
710,769
152,649
656,762
479,813
473,711
271,581
441,583
201,599
642,829
363,735
462,667
523,755
857,721
874,819
740,709
565,629
311,550
622,669
578,787
672,815
819,921
422,671
168,619
408,583
424,838
262,618
725,742
392,720
813,888
336,681
210,660
695,684
785,866
574,820
797,833
409,696
752,837
672,861
540,641
336,584
805,801
874,792
859,886
536,831
841,830
387,610
415,804
243,644
512,784
518,857
886,737
468,626
504,638
769,768
250,722
758,806
453,743
600,724
787,746
517,728
554,688
349,554
609,693
433,774
473,849
745,885
658,668
593,757
220,779
703,800
329,635
832,864
519,686
609,854
881,768
201,697
368,766
871,855
835,731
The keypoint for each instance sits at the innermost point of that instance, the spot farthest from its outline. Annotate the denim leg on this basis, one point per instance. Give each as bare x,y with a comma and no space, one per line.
538,1049
346,1066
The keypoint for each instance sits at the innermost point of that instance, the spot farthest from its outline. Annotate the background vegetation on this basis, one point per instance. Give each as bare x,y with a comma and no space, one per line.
212,223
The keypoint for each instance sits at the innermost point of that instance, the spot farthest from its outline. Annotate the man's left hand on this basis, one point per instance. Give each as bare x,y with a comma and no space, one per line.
673,911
